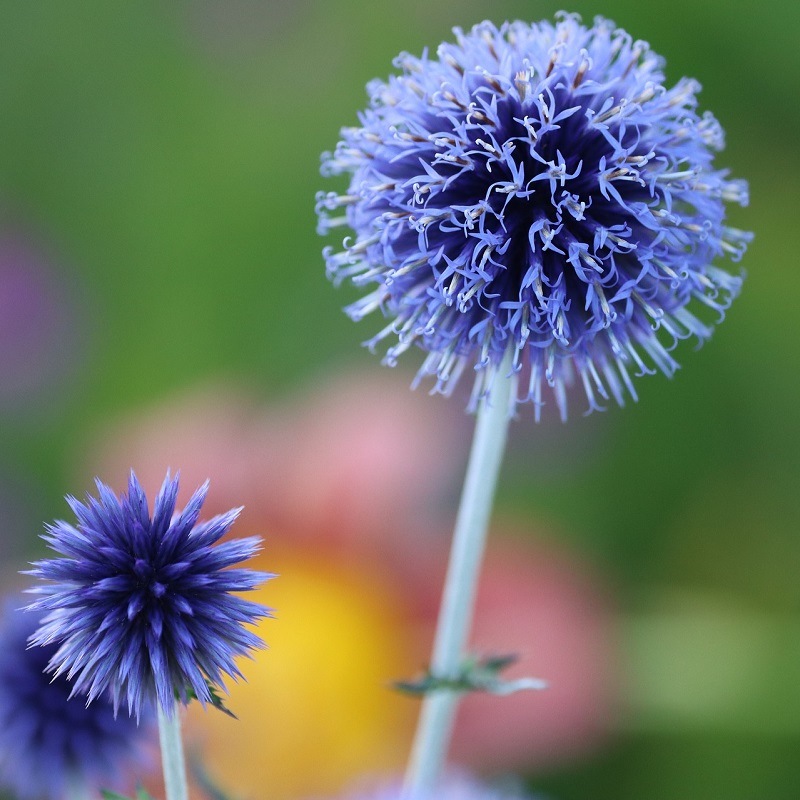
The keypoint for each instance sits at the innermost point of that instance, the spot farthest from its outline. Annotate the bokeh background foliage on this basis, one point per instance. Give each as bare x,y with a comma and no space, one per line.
159,162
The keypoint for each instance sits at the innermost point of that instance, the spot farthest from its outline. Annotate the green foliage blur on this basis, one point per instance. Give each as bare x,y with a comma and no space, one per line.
165,158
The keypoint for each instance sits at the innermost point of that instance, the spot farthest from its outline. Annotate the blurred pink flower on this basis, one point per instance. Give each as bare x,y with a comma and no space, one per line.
334,464
361,471
542,602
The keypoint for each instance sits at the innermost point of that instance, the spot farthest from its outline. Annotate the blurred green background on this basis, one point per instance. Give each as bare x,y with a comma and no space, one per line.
157,174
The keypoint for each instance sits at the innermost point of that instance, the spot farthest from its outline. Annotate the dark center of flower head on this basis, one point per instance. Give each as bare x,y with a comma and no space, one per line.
145,592
535,190
148,578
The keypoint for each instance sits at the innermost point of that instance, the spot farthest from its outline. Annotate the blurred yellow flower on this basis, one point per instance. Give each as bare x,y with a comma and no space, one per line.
316,709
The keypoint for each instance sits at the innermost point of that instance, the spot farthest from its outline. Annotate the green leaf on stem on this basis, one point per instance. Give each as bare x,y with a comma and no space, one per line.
474,675
216,699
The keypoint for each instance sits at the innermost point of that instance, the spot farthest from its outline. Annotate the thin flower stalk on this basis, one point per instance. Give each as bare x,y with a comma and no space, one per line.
173,762
458,600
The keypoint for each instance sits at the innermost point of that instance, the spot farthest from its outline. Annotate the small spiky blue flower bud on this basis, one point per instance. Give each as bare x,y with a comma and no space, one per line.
535,192
143,607
49,743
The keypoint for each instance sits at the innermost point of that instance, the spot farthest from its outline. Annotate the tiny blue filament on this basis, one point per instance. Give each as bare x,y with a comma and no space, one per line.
535,188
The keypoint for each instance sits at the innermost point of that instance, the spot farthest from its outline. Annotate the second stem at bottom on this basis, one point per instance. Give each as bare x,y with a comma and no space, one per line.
172,760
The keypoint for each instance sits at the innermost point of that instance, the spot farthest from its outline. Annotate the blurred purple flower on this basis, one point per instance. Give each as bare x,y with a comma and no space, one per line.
50,743
40,327
454,787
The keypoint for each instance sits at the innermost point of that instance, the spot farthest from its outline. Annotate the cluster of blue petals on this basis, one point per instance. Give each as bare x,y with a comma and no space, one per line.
535,193
142,607
49,742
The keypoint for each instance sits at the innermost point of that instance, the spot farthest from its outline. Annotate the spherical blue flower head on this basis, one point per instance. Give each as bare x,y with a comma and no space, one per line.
536,191
49,742
142,606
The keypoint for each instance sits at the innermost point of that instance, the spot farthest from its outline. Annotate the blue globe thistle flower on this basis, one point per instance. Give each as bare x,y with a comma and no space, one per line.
49,742
535,191
142,606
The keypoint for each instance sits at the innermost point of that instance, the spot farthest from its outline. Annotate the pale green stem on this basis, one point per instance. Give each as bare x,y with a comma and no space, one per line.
78,789
172,760
434,728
